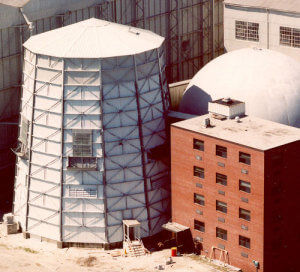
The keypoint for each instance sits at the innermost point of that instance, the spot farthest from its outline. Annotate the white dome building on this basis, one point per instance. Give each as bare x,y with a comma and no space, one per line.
93,113
267,81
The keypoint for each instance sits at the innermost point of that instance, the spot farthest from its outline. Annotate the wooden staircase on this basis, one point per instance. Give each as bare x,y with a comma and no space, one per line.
134,248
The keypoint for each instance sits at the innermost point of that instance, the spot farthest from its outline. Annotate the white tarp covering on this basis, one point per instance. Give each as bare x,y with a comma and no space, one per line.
123,101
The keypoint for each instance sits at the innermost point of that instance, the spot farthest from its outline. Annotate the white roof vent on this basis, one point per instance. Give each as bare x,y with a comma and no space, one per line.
237,119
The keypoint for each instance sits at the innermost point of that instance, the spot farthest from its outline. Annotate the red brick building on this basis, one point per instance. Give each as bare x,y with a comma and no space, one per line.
236,184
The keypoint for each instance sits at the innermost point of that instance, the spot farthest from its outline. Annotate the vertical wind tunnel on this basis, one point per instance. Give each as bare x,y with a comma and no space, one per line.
92,133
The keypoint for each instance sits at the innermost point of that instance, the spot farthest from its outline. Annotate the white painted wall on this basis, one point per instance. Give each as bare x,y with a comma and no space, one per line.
269,37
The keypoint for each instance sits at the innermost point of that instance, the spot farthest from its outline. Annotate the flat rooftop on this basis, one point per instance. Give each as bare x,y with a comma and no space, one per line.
281,5
250,131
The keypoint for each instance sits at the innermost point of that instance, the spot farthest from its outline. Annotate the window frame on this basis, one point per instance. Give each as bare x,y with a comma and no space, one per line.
198,146
221,233
200,201
220,152
81,192
244,214
246,31
244,158
82,139
241,187
289,36
244,241
199,172
199,225
221,206
220,179
82,151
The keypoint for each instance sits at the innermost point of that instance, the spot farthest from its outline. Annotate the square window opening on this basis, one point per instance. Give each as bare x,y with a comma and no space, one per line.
198,144
221,233
244,158
199,172
221,206
245,186
198,225
221,179
244,241
244,214
221,151
199,199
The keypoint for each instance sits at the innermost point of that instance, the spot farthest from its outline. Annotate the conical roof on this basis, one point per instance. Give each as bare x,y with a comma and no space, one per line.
93,38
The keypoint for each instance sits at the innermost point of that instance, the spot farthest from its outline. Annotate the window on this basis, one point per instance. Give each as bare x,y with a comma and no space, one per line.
199,199
221,151
245,158
247,31
198,172
82,193
221,206
221,233
244,214
290,36
82,143
198,225
82,151
245,186
244,241
198,144
221,179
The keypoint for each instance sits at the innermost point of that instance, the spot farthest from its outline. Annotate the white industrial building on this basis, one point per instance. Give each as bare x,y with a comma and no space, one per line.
93,113
267,81
270,24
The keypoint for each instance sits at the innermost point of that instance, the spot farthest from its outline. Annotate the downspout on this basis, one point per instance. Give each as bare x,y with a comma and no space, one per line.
29,23
268,29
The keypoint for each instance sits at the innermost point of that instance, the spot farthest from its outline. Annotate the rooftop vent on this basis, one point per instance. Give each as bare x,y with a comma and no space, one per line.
206,122
226,107
227,100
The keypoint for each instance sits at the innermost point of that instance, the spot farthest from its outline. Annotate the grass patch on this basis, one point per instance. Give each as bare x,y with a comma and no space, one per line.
4,246
89,261
27,249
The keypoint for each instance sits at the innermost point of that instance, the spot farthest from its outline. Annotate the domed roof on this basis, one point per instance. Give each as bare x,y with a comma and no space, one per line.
267,81
93,38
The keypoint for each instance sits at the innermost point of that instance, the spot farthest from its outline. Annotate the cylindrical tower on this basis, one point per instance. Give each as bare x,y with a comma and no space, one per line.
92,133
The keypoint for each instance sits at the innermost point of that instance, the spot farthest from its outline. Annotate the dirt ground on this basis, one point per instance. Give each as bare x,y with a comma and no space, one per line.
18,254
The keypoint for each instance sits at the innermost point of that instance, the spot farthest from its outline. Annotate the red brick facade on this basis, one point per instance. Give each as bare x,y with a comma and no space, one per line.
259,201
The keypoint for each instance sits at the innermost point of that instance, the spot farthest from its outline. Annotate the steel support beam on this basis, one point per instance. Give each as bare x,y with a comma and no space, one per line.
62,153
104,181
30,144
141,138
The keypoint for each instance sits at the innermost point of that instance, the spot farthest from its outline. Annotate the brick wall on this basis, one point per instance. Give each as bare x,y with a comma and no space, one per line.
183,187
282,217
